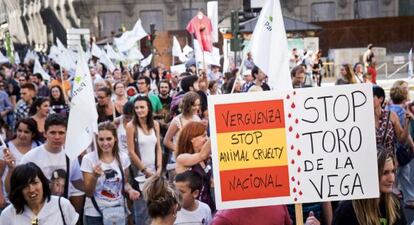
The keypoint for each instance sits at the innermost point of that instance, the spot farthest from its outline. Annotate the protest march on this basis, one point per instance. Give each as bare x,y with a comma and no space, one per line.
101,134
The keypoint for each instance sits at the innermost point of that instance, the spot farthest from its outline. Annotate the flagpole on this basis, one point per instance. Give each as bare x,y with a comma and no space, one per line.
204,63
238,73
195,55
172,53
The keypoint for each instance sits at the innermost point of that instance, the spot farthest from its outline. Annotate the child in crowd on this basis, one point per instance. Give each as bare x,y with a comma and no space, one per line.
193,211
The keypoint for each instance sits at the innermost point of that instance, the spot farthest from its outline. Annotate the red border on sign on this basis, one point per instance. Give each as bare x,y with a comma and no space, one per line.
253,183
248,116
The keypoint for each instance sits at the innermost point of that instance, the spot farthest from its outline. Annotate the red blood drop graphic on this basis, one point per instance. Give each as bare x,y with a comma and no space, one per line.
298,169
300,193
289,115
297,136
295,199
299,152
296,121
290,129
294,93
287,96
298,182
294,190
293,161
292,147
293,179
293,105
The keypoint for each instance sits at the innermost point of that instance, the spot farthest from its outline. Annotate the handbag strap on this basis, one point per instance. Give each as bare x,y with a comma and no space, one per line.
61,212
386,128
66,190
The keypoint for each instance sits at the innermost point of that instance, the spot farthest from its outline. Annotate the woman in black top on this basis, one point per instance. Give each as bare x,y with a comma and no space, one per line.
57,100
376,211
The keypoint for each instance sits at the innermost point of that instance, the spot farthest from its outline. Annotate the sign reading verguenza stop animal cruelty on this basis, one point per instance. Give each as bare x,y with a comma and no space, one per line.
305,145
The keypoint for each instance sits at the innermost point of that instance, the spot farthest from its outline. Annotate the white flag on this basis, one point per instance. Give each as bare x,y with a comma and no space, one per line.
3,59
104,59
96,51
187,49
129,38
111,52
16,58
410,64
269,46
176,49
212,12
30,55
60,45
134,54
39,69
147,61
64,57
82,123
53,52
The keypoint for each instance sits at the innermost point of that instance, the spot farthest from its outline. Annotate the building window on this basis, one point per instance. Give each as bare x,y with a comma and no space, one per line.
109,22
406,7
323,11
185,16
152,17
366,8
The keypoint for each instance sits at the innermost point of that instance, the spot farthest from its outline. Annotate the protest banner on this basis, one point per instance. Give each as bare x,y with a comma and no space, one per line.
298,146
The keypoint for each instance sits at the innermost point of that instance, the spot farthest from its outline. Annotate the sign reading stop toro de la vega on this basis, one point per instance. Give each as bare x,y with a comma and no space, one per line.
304,145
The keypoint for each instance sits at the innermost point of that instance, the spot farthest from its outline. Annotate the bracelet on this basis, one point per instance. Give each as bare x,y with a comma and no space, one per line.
143,169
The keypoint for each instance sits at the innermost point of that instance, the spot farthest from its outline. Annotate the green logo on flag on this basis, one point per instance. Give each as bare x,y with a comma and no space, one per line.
271,19
78,79
268,23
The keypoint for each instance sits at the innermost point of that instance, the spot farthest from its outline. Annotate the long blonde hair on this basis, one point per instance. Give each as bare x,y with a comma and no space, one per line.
367,211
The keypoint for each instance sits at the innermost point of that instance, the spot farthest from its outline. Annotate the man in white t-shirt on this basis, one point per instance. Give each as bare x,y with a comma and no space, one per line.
54,163
193,211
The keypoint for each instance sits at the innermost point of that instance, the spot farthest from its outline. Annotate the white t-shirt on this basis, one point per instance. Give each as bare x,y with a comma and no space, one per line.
50,162
108,189
48,215
200,216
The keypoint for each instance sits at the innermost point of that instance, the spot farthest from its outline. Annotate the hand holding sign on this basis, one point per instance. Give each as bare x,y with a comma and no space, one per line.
306,145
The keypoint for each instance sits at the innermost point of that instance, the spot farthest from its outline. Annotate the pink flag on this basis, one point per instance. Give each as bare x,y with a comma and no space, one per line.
200,26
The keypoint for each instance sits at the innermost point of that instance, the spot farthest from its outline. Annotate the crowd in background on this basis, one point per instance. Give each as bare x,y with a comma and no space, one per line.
151,163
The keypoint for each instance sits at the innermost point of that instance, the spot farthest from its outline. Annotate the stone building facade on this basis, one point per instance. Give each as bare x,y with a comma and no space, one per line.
38,22
330,10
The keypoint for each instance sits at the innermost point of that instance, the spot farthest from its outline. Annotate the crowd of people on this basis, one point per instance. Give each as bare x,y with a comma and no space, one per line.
151,163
